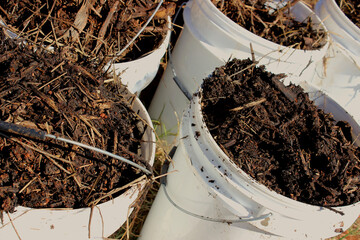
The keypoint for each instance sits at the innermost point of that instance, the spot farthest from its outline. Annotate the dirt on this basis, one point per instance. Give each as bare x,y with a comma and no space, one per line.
351,8
93,30
279,137
277,25
43,91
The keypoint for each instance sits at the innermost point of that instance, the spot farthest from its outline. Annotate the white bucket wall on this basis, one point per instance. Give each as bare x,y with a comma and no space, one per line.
340,27
139,73
74,223
207,183
339,77
208,40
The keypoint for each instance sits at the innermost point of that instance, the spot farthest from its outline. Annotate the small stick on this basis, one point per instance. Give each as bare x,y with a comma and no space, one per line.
334,210
80,21
93,186
59,65
244,69
89,125
53,80
90,218
28,184
102,222
86,165
136,181
252,53
105,25
85,72
3,10
247,105
58,165
288,93
39,150
45,98
48,15
12,224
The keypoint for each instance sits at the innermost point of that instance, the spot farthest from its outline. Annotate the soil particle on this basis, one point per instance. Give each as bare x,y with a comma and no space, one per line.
284,142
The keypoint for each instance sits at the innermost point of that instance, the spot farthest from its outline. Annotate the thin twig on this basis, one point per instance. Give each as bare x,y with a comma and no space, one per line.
136,181
28,184
105,25
40,151
247,105
244,69
90,218
90,125
80,21
53,80
12,224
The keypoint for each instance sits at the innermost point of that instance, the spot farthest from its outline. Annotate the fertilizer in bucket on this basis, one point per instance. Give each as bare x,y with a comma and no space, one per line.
212,195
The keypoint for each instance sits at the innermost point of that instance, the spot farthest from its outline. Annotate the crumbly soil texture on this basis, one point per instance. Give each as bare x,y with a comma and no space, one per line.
92,30
275,134
276,25
351,8
45,92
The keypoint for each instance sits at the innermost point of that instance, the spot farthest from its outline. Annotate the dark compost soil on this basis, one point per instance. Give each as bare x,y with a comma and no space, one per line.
45,92
279,137
351,8
95,29
277,25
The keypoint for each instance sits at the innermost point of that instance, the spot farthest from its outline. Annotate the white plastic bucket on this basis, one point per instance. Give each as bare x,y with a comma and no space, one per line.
341,28
63,224
139,73
208,40
207,193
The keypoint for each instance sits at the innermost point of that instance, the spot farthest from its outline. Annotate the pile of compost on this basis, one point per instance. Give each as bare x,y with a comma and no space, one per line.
94,30
276,25
279,137
45,92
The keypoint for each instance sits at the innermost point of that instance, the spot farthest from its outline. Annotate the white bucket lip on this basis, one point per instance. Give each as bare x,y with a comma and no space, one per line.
156,51
223,20
335,12
144,114
258,192
143,76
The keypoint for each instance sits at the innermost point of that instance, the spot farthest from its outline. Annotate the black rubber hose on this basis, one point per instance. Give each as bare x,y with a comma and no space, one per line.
22,131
